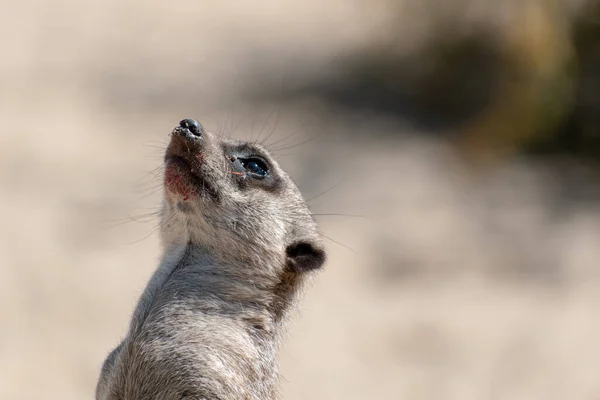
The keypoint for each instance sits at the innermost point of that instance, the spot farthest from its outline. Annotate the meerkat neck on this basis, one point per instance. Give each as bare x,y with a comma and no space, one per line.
191,274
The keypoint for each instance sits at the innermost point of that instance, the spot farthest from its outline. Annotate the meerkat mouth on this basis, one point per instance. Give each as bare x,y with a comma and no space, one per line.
182,178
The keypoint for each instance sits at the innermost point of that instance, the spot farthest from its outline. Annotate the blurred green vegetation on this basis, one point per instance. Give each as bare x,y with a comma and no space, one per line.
579,132
528,83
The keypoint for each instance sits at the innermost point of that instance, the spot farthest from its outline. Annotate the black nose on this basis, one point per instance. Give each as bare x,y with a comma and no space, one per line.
192,125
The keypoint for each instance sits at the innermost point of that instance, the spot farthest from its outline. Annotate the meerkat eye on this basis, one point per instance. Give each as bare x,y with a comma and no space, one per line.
255,166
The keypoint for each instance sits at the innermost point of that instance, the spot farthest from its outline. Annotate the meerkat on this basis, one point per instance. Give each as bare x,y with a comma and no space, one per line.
238,242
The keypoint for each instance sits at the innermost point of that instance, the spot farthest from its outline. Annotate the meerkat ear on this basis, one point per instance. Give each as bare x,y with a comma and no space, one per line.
303,255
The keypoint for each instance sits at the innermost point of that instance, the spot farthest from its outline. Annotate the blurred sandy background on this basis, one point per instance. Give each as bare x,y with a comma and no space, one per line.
459,140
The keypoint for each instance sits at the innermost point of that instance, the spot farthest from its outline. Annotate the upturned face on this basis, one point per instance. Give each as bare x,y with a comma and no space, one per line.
224,194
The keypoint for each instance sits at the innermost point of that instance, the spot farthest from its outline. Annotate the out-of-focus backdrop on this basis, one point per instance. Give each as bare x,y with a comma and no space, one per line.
458,141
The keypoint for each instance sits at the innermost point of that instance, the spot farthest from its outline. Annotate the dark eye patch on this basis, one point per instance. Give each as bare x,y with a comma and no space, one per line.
254,166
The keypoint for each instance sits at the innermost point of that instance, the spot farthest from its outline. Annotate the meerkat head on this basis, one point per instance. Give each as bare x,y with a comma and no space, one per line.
232,198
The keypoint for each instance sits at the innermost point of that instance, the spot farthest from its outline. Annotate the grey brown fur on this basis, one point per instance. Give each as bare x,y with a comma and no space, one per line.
236,250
